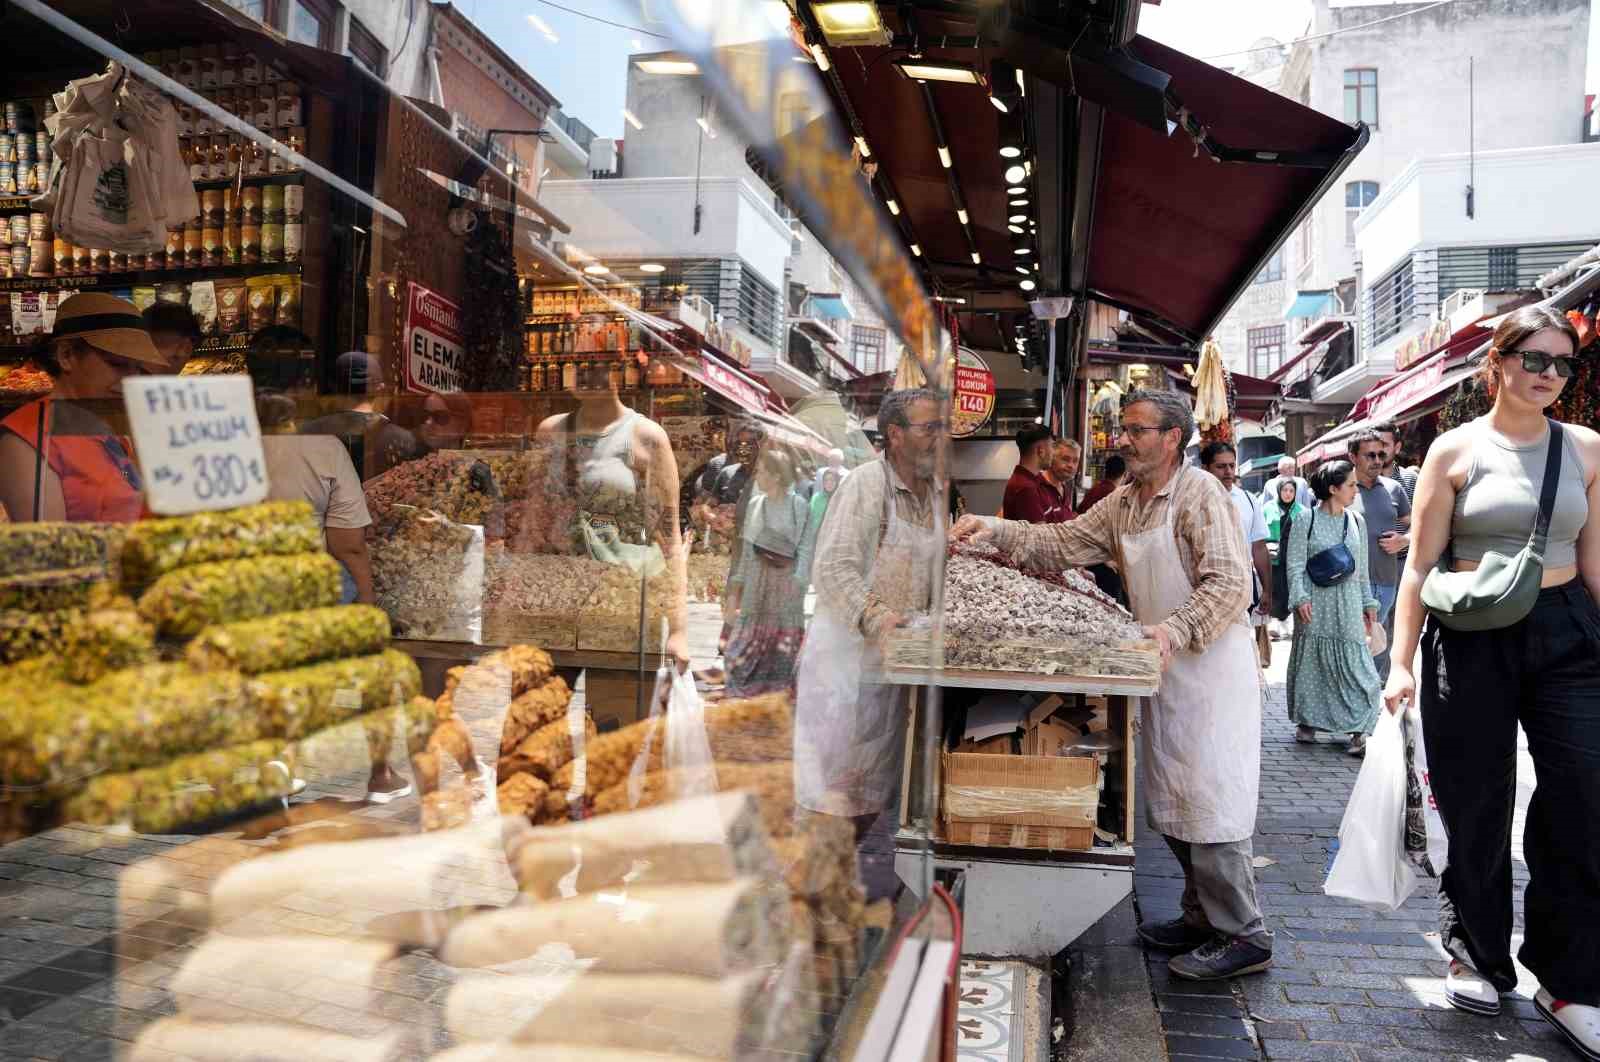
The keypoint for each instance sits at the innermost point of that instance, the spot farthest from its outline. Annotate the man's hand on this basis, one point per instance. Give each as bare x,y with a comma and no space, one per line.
881,626
1163,638
1394,542
972,528
1304,612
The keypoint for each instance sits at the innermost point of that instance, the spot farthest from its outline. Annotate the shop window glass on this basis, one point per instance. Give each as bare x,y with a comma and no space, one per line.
310,23
366,49
867,346
1273,270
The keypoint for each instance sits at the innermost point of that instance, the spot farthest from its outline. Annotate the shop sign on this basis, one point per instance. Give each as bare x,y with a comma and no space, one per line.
974,395
434,346
198,442
1421,345
731,384
1403,394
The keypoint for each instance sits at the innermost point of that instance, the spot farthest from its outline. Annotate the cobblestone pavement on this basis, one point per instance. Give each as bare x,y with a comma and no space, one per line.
1347,983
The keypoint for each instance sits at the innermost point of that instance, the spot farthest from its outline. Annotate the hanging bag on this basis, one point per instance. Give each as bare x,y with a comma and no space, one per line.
1502,590
1331,566
1371,866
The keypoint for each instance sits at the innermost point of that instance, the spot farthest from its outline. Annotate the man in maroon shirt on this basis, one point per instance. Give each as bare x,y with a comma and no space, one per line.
1062,474
1029,496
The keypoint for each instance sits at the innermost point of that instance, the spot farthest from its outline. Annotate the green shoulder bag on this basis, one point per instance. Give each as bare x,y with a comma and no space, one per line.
1502,590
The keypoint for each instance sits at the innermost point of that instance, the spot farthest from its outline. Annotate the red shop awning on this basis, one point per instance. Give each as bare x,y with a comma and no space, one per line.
1180,236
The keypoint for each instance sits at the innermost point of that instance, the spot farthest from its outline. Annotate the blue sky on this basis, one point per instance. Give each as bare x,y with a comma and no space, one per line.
586,66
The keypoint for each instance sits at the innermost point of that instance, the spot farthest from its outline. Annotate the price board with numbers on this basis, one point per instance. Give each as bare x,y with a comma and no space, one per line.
198,441
972,400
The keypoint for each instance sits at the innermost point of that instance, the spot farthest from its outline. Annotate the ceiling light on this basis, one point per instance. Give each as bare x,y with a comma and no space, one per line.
1019,202
1011,151
1015,174
543,27
820,54
1024,251
1018,229
853,23
632,119
861,142
934,70
944,156
595,269
1026,285
1024,270
652,267
705,127
1017,190
961,214
954,300
1027,167
1022,82
976,258
916,251
999,104
1003,87
675,67
1017,219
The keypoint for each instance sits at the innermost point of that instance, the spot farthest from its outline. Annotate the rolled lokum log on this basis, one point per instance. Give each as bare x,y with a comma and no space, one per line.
184,602
40,547
211,1041
303,700
706,930
59,588
186,790
220,978
291,639
553,1053
771,783
155,547
106,640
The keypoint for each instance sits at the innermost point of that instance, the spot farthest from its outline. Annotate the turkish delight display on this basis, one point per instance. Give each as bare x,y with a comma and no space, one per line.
772,784
156,547
290,639
186,790
184,602
300,701
104,640
40,547
544,751
58,588
217,1041
428,574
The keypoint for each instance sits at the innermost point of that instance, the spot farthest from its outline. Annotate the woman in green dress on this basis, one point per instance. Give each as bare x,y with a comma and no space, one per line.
1333,683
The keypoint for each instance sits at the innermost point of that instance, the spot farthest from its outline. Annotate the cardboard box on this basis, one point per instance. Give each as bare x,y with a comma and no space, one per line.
1047,738
997,835
999,745
1045,709
1047,791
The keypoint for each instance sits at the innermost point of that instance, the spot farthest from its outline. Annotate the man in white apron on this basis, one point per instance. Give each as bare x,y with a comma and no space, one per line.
877,553
1175,535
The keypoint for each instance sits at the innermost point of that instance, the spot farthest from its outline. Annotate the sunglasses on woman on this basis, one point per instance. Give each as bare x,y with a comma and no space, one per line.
1537,361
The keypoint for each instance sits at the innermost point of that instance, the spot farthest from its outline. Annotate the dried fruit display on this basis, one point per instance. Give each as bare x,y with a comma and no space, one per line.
184,602
538,596
189,789
1000,617
544,751
129,719
495,680
425,571
156,547
300,701
521,794
290,639
106,640
532,710
59,588
26,548
459,487
708,576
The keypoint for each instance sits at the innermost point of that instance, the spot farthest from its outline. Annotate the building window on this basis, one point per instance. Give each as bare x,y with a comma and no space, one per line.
366,49
1273,270
867,347
1305,246
1358,195
1361,96
310,22
259,10
1266,349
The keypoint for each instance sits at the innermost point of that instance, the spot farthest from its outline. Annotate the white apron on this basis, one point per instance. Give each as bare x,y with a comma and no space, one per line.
1200,740
849,735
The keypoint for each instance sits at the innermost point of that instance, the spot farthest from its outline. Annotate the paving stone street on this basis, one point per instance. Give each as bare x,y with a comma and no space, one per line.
1347,982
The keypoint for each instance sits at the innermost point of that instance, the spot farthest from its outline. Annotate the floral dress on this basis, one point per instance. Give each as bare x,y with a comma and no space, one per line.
771,578
1333,683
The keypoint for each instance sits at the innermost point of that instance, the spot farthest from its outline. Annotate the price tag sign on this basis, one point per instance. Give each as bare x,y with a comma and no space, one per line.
198,441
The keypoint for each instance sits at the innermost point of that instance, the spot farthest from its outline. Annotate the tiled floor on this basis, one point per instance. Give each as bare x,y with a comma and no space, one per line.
988,1020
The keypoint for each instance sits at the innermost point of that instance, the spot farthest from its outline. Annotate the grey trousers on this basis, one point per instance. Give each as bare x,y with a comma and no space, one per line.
1219,890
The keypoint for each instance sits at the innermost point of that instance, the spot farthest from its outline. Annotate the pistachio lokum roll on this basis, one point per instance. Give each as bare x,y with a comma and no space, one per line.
129,719
186,790
38,547
291,639
106,640
300,701
25,634
156,547
59,588
184,602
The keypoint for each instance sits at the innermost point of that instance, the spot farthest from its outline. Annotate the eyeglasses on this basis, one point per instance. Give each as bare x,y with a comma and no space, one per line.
1376,455
1537,361
1133,431
927,428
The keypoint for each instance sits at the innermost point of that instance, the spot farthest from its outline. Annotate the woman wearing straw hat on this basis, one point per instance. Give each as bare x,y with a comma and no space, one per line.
88,472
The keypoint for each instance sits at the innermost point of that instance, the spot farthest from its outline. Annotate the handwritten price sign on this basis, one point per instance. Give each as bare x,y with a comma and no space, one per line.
198,441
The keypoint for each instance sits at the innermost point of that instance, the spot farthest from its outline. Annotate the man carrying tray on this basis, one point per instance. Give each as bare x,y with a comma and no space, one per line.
1174,534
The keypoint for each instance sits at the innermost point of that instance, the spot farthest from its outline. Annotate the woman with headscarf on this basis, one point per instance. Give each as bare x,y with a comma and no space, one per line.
767,590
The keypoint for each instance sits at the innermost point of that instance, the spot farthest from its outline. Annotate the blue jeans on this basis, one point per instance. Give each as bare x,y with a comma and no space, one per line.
1386,596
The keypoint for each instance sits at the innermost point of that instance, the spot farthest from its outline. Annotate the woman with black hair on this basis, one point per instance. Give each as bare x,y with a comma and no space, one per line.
1333,683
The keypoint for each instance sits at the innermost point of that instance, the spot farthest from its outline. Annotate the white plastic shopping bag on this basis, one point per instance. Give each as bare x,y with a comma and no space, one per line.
1427,844
1371,866
686,751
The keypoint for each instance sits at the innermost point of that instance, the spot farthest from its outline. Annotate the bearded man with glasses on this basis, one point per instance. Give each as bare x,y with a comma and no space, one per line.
1383,504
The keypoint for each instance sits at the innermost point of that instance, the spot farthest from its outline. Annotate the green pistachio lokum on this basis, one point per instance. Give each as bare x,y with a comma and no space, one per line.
291,639
106,640
25,634
59,588
138,717
186,790
184,602
39,547
156,547
300,701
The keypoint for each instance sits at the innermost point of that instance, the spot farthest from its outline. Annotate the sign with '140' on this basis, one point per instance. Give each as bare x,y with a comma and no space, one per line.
198,441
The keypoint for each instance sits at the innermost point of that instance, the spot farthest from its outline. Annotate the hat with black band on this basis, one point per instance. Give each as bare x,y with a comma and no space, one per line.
108,324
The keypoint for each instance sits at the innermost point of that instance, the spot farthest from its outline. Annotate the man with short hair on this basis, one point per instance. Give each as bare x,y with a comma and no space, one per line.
1383,504
1222,461
1389,432
1110,480
1288,468
1066,455
1176,534
1029,496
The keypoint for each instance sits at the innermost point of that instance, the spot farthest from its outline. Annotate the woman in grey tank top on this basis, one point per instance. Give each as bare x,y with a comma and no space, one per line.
1479,493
